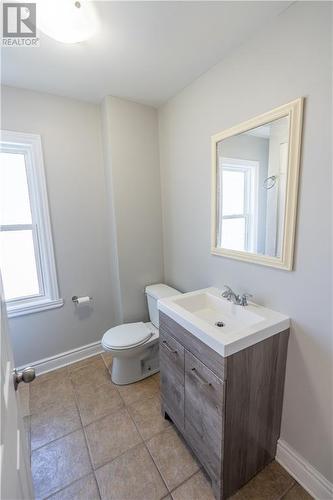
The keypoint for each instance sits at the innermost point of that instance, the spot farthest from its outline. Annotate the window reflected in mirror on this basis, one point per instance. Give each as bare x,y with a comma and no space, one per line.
251,181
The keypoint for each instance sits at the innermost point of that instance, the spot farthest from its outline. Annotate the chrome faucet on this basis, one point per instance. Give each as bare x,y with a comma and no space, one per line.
239,300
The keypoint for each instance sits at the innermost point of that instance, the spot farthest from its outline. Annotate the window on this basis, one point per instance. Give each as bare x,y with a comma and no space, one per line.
26,248
238,187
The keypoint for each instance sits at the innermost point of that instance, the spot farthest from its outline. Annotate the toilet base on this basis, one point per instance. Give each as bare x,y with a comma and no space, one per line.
127,370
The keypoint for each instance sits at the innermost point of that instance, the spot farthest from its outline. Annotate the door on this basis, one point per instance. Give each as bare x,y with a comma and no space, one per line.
172,378
16,481
204,405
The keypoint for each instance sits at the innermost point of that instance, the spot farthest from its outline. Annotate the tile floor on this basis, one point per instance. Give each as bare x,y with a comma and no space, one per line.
92,440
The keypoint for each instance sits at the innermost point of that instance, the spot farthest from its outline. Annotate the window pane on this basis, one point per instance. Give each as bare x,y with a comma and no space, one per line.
18,265
232,192
233,234
14,195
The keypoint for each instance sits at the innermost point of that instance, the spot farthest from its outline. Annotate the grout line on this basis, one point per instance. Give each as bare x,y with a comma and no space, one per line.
109,461
97,419
105,361
120,455
56,439
158,470
287,490
185,481
67,486
144,442
86,439
87,361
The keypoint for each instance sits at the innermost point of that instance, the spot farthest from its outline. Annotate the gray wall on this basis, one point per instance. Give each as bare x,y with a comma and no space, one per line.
290,58
132,166
72,146
102,170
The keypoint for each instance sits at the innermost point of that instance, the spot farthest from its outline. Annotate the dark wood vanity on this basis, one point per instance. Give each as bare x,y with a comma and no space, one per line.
227,409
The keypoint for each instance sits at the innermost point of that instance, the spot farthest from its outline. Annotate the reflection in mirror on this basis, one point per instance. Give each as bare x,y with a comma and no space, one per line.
251,182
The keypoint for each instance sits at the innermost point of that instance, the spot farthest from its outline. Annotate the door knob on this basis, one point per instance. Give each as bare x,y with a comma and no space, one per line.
27,375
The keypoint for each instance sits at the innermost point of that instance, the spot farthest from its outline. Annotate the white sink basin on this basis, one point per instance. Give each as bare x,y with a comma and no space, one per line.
225,327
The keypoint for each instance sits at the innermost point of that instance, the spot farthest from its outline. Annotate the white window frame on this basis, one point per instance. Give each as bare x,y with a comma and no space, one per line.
250,213
31,147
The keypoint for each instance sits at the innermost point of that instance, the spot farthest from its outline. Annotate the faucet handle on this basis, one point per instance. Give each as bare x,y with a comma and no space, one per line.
244,297
226,292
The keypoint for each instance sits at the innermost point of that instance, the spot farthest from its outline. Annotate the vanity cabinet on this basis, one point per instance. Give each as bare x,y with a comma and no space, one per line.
172,377
227,409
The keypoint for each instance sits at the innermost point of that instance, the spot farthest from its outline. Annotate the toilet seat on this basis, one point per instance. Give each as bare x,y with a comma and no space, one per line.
126,336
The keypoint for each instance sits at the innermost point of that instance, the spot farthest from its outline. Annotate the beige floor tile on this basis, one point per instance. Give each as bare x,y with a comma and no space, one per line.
24,398
51,390
99,402
110,436
147,416
53,422
83,489
85,362
107,357
270,484
157,378
55,376
59,463
91,376
197,487
297,493
173,459
139,390
132,476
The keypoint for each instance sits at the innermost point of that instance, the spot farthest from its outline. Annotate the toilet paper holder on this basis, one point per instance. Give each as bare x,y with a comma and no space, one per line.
76,299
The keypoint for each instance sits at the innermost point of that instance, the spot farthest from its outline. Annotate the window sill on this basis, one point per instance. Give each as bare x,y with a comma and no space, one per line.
33,307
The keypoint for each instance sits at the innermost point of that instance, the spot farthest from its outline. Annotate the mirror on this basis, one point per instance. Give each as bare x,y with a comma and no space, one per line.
254,187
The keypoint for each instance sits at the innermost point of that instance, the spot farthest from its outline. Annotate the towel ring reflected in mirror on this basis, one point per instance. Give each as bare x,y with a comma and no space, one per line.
270,182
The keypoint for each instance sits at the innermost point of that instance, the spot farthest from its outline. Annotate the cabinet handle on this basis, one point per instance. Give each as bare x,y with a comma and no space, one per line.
199,377
168,347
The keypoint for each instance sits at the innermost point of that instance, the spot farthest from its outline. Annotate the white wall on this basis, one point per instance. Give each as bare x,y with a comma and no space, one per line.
72,145
290,58
130,132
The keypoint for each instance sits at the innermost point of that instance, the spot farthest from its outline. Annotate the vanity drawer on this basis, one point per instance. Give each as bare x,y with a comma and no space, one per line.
172,377
204,411
211,358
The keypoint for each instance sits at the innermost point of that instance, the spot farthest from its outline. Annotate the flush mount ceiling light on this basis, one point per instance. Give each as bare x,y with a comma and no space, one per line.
67,21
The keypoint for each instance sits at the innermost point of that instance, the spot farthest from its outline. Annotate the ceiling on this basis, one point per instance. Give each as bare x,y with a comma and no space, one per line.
143,51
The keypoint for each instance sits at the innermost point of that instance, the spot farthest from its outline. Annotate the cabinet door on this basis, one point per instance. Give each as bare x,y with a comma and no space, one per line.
172,378
204,408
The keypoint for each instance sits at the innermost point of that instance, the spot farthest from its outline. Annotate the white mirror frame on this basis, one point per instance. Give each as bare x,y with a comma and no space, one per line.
294,110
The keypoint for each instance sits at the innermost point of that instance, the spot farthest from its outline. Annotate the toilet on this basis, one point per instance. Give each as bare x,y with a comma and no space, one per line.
134,346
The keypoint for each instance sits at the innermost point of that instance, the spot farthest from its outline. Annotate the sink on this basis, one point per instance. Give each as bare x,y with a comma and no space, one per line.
225,327
214,310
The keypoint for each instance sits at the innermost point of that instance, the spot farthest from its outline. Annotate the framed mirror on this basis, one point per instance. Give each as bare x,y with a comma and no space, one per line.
255,169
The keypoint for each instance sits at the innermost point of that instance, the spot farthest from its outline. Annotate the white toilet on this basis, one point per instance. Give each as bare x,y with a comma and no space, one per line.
134,346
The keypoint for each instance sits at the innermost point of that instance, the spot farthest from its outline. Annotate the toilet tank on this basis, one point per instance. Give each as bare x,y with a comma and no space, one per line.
155,292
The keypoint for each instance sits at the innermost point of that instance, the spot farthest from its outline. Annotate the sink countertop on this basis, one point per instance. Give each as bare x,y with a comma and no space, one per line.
198,312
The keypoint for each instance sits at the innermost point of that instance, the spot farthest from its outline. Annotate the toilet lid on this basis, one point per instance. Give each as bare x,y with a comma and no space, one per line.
126,336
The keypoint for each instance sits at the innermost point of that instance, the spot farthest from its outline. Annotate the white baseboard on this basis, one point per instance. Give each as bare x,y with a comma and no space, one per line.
65,358
304,473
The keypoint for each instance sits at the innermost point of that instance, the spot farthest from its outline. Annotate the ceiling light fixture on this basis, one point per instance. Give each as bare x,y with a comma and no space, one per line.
67,21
